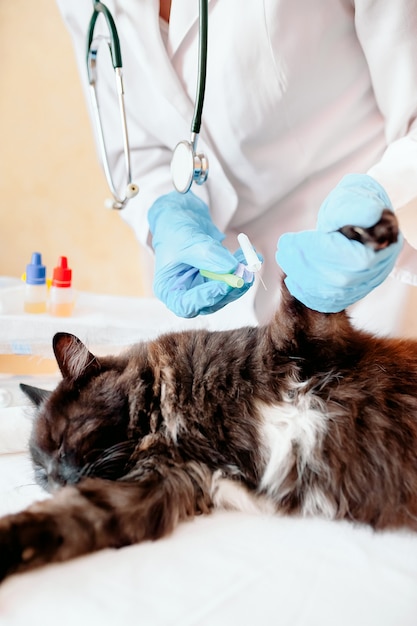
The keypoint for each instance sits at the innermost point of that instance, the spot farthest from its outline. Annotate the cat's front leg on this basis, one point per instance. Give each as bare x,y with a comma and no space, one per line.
52,530
97,514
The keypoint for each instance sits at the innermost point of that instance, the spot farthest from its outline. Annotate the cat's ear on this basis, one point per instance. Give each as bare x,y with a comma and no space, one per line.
36,395
73,357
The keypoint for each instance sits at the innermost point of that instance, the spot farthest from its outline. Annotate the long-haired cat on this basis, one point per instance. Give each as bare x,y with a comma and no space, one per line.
303,416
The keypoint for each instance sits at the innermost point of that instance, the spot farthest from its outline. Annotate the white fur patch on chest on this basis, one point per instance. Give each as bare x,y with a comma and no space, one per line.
291,436
232,495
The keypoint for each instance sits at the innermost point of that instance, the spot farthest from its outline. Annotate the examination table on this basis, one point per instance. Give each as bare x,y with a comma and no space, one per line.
226,569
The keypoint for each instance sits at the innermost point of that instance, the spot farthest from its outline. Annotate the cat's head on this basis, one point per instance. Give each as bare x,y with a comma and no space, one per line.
82,427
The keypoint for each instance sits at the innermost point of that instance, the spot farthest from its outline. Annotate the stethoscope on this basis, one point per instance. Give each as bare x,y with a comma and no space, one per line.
187,166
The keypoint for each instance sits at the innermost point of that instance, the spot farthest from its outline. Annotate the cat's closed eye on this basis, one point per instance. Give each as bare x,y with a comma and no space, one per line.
41,476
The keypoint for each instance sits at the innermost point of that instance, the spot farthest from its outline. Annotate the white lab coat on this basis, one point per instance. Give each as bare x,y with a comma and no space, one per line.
299,93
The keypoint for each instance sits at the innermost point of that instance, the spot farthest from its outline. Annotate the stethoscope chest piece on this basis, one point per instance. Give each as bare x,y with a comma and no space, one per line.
188,167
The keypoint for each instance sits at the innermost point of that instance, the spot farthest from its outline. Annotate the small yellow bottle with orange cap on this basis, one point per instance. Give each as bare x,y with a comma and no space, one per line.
61,293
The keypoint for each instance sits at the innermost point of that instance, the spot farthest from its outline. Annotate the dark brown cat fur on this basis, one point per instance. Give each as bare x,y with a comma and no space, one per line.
304,416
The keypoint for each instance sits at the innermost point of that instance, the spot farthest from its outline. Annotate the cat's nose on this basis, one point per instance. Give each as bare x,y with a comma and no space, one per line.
60,477
54,485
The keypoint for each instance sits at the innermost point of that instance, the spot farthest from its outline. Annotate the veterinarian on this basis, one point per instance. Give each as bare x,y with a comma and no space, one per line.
309,123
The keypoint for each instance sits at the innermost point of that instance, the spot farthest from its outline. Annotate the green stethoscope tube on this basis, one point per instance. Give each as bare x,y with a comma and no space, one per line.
116,55
202,66
115,51
199,163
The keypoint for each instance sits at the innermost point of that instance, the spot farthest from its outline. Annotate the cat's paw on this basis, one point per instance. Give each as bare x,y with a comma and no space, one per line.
384,233
10,548
25,543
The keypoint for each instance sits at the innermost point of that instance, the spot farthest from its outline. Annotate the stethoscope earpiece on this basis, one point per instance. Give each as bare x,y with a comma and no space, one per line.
132,190
188,167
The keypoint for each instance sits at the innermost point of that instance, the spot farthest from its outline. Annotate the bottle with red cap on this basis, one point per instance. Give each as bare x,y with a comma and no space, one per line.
61,295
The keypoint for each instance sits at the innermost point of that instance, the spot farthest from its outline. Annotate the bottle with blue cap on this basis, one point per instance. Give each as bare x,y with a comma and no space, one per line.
36,291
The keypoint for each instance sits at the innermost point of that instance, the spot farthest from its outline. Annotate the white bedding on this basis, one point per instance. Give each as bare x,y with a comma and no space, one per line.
224,570
227,569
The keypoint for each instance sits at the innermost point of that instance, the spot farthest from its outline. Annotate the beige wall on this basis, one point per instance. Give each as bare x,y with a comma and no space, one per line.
51,187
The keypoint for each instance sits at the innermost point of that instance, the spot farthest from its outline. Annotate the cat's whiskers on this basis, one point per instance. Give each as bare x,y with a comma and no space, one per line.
108,459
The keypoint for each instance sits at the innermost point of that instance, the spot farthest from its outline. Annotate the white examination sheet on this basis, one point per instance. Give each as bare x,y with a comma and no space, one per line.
223,570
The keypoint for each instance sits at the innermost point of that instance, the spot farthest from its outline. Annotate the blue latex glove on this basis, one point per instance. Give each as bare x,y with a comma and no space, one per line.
185,240
326,271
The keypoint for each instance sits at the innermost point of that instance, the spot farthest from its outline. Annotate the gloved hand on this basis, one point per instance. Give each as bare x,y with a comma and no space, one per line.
326,271
185,240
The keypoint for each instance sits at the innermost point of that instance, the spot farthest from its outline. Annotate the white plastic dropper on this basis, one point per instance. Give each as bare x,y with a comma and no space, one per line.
253,262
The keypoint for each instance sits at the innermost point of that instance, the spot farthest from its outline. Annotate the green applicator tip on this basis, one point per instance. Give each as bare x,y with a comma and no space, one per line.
229,279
